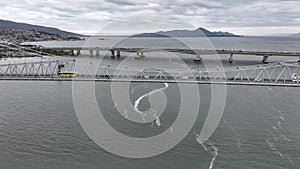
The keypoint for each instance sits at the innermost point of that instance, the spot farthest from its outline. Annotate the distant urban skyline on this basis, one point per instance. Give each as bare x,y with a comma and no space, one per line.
123,17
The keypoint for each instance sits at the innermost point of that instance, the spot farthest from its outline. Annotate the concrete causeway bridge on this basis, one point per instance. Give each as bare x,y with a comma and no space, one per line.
273,74
277,74
116,52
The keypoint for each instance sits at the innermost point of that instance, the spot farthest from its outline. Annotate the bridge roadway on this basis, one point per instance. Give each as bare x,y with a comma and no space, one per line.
116,52
242,82
275,74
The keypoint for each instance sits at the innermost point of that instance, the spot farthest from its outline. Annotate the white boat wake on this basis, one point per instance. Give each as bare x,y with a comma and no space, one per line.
212,149
215,153
137,103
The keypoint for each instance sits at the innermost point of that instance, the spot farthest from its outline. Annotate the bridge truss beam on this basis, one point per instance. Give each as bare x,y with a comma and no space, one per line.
283,74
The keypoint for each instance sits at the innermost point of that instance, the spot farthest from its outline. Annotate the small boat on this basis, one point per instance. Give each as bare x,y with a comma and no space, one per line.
67,74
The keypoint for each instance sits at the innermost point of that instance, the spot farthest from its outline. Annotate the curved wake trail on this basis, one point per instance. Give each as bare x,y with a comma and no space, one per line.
215,154
212,149
137,102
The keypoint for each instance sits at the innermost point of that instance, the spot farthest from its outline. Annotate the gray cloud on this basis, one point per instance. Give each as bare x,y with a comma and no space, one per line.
88,16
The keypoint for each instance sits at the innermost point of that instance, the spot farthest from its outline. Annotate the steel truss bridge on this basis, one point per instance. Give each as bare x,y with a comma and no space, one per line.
275,74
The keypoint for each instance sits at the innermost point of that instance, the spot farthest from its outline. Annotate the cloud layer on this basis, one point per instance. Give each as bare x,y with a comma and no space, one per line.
89,16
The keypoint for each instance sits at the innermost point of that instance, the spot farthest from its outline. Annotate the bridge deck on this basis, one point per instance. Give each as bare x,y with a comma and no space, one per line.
231,83
279,74
185,51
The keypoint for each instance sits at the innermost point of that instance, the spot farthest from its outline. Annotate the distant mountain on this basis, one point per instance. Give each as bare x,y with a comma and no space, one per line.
200,32
9,25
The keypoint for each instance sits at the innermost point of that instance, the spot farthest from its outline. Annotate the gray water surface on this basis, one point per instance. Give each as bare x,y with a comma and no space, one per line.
39,129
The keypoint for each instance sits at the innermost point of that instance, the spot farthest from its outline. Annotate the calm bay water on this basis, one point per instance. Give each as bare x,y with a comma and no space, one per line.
259,129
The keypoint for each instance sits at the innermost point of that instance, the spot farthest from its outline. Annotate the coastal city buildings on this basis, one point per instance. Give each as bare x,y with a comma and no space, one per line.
20,36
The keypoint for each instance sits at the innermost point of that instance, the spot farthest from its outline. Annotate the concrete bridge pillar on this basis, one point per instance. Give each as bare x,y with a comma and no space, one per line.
265,59
97,52
118,54
113,54
198,58
231,58
91,53
78,52
72,52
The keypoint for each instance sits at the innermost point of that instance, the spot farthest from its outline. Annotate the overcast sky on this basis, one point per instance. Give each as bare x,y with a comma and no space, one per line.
244,17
